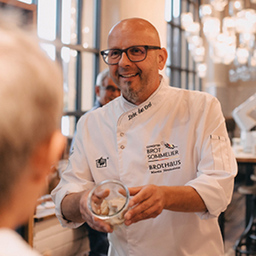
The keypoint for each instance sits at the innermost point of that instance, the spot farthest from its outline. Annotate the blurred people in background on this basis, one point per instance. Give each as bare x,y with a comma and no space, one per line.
105,89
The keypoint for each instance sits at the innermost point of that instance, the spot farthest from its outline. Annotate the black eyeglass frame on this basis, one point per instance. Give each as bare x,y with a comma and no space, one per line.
147,47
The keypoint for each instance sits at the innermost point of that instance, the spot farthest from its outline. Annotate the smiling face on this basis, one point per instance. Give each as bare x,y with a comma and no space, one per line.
137,80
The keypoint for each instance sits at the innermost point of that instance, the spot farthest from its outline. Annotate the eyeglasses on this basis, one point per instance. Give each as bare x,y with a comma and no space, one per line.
134,53
110,88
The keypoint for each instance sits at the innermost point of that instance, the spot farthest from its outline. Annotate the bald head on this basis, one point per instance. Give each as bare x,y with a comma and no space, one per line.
142,29
137,79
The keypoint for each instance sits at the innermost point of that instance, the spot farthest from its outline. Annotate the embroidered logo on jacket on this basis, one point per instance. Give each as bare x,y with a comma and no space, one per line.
170,146
101,162
163,157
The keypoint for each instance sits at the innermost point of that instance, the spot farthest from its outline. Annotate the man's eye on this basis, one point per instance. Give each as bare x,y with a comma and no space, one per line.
114,53
136,51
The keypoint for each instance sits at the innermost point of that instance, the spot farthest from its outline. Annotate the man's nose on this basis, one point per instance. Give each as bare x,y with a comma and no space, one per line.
124,60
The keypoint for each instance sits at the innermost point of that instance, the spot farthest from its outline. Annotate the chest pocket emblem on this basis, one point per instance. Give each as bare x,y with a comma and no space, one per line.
101,162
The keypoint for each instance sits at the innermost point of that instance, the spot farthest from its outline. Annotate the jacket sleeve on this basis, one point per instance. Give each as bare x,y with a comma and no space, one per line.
217,164
75,178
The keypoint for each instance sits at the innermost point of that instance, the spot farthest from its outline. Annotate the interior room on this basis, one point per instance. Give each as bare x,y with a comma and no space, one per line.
206,52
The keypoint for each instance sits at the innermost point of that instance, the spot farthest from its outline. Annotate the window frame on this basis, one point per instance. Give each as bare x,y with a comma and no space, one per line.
181,73
80,49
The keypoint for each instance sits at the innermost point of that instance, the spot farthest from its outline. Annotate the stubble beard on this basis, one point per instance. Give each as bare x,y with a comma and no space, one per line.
130,94
134,93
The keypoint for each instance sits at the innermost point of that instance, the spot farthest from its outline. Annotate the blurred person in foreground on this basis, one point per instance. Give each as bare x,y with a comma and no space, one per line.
169,146
30,137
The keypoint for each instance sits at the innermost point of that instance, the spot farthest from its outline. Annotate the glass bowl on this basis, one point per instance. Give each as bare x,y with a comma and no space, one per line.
108,201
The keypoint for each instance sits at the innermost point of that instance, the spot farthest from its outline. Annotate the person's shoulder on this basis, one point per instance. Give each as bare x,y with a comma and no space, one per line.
113,103
20,247
193,99
101,111
193,94
110,107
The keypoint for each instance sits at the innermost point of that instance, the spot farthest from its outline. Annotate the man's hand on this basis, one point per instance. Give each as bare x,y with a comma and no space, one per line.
74,208
92,221
148,202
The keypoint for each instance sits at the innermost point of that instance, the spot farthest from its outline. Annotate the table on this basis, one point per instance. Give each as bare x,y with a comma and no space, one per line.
248,160
243,245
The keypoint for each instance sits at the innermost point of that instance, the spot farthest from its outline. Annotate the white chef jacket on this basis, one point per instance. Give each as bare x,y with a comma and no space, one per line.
176,137
12,244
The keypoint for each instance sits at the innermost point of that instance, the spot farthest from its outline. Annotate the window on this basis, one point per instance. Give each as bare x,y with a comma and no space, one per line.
69,30
180,67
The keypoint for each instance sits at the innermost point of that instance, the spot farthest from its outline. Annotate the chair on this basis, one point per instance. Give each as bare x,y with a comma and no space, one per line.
246,244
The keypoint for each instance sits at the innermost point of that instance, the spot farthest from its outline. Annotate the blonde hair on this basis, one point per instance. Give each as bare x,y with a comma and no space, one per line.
30,100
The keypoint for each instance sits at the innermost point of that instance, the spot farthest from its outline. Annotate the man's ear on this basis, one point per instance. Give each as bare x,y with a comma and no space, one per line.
48,154
97,90
56,147
162,57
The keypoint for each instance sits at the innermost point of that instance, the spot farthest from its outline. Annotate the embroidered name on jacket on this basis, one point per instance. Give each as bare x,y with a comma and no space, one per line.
163,157
139,111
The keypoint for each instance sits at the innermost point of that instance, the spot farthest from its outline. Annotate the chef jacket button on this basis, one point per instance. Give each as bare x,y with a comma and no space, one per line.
121,134
122,146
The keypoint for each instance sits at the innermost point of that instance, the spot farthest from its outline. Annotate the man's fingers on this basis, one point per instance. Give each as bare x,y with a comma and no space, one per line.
134,190
139,194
